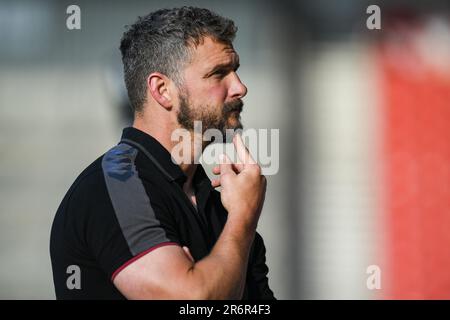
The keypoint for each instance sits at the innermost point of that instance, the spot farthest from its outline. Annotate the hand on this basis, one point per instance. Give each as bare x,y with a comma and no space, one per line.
243,185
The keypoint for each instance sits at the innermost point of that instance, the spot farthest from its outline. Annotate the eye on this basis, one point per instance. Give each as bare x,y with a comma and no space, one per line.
220,73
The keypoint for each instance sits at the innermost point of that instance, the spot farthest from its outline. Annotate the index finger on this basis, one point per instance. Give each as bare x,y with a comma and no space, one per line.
242,151
225,165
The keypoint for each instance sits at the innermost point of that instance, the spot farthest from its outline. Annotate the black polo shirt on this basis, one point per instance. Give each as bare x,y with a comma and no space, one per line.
127,203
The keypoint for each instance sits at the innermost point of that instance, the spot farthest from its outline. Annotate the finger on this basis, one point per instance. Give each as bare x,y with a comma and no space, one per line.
216,170
225,165
237,167
241,150
215,183
188,253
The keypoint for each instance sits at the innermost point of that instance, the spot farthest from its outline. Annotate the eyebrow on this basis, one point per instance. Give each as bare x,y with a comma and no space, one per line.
234,65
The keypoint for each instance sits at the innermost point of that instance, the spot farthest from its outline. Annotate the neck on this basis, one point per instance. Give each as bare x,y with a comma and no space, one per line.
162,131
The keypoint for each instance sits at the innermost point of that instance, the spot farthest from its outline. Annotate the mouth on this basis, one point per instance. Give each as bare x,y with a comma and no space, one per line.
234,107
236,113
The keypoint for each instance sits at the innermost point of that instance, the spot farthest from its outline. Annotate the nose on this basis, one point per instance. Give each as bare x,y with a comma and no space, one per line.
237,89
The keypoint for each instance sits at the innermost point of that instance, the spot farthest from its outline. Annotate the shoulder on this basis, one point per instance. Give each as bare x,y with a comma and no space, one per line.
110,178
88,180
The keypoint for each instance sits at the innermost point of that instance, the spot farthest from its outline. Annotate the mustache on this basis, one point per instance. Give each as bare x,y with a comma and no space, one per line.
236,105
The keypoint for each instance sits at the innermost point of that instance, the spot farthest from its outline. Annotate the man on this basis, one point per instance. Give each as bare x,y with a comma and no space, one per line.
137,225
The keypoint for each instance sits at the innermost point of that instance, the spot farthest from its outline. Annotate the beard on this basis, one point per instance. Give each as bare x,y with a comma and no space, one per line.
227,119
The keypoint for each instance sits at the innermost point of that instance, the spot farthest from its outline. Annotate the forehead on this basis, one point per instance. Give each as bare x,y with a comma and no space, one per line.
210,53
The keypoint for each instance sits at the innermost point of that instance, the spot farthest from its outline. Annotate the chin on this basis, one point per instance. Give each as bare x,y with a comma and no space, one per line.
234,123
229,138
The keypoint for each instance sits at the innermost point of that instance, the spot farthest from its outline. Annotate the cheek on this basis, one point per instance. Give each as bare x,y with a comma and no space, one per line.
209,94
217,94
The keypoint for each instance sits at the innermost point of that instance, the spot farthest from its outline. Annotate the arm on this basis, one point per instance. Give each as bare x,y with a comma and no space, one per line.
168,273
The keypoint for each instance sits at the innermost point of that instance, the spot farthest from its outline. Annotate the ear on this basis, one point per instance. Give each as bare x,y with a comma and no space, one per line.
158,85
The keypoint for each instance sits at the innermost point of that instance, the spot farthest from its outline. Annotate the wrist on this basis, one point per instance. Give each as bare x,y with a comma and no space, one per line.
239,224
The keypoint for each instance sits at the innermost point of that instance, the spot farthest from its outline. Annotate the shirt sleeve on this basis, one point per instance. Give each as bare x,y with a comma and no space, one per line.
133,222
257,280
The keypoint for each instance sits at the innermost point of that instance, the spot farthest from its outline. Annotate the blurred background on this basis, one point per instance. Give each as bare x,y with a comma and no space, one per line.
364,120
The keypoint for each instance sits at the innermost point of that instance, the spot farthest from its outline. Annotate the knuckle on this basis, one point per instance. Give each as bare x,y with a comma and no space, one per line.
225,177
256,169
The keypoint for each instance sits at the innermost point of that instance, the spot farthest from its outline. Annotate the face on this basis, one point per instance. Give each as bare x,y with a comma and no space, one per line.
212,91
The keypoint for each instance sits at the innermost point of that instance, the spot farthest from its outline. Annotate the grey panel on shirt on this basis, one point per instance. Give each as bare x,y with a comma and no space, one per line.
141,229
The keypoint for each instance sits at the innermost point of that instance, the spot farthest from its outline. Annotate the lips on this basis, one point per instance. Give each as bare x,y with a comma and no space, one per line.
234,106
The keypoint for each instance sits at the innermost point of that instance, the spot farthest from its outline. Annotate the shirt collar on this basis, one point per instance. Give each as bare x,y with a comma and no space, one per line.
162,159
202,186
155,151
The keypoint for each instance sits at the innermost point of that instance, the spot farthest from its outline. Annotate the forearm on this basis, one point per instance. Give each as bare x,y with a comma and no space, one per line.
222,274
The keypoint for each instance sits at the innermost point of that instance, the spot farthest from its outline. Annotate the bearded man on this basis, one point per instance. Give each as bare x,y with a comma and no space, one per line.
136,224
